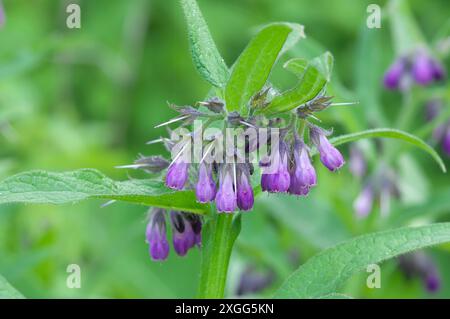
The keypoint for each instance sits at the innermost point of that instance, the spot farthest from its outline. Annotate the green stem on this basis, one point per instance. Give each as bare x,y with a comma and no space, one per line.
219,235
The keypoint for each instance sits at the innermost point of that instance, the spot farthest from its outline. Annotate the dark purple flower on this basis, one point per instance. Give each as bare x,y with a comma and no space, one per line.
432,282
329,155
156,235
357,162
446,141
438,70
303,175
418,264
422,68
226,197
364,202
205,189
177,174
183,235
394,74
196,224
245,198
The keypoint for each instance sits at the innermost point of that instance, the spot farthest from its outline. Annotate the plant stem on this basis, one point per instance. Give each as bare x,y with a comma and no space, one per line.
219,235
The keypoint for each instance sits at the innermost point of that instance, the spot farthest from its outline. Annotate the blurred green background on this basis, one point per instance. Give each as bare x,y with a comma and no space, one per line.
90,97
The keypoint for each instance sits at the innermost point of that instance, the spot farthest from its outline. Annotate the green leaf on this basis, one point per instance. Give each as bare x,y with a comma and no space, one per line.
253,66
59,188
207,59
313,78
335,296
7,291
326,272
390,133
406,35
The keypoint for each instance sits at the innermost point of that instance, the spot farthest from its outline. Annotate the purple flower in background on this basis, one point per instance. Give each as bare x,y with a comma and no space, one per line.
226,197
432,282
177,174
446,141
156,235
205,189
2,14
364,202
394,74
357,162
183,235
245,199
422,68
418,264
303,175
329,155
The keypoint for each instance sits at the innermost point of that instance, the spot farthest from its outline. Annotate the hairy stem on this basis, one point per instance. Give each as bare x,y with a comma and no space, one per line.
220,233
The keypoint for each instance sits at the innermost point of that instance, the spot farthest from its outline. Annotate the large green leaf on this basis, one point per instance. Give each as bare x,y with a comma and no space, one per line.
253,66
207,58
59,188
312,79
326,272
7,291
390,133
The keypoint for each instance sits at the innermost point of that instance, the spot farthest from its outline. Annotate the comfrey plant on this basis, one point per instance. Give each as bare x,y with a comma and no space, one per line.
246,137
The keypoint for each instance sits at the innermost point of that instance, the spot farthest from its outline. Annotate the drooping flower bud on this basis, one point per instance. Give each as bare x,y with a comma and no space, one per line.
329,155
276,178
364,202
422,68
394,74
446,141
418,264
183,235
156,235
196,224
303,175
245,199
226,200
205,190
177,174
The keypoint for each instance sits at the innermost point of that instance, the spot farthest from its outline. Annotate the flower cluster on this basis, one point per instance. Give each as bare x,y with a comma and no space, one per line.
420,66
288,169
186,233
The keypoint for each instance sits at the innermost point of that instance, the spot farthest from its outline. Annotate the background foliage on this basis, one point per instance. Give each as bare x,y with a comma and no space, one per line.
90,98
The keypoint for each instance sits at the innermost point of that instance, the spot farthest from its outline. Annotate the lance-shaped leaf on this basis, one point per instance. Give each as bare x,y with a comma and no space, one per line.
325,273
7,291
389,133
58,188
207,58
406,34
312,79
253,66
